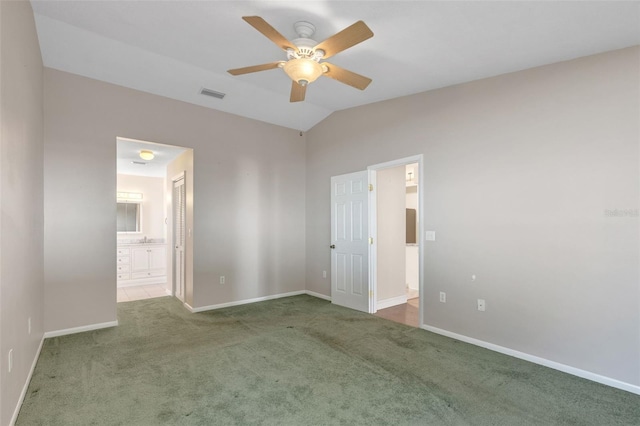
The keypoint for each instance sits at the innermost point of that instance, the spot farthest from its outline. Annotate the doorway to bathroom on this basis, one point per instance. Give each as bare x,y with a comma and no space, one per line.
396,261
148,205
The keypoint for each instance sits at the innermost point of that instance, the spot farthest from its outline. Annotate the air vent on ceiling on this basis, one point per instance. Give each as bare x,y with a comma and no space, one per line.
139,162
212,93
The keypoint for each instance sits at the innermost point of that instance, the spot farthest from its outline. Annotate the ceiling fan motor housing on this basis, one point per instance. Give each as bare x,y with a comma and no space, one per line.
305,50
304,42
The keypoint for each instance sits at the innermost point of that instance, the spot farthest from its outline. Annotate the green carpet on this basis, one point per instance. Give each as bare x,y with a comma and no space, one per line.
297,361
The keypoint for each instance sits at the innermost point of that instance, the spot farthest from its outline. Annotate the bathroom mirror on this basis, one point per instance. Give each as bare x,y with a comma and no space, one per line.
412,224
128,215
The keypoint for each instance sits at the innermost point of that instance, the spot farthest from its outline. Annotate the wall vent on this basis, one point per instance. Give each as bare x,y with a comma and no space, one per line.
212,93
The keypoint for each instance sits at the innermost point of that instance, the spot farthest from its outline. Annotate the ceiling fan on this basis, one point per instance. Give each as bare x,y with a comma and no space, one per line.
303,64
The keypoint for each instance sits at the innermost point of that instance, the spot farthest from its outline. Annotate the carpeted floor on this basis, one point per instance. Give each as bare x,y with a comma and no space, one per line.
297,361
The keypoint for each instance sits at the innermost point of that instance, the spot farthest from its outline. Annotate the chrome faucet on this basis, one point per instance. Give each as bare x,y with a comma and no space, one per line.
145,239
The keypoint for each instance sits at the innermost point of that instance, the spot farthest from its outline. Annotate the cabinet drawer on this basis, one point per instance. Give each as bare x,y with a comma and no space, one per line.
120,260
123,252
147,274
123,276
123,268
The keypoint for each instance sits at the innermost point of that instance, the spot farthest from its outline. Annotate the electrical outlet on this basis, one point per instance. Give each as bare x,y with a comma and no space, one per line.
443,297
473,277
29,325
221,279
10,359
481,305
324,274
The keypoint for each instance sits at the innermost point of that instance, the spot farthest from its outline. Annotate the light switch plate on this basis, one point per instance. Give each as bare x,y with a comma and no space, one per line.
430,235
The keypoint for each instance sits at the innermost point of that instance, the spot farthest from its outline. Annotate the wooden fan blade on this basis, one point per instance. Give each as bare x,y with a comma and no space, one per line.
297,92
347,77
268,31
346,38
255,68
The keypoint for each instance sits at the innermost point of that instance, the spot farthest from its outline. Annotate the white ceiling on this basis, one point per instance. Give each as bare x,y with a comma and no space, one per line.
128,157
174,48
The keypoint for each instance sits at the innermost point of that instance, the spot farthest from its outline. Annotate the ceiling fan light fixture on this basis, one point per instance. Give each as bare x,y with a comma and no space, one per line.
303,70
146,155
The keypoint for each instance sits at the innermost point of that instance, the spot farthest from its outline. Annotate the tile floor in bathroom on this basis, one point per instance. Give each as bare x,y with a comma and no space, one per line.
139,292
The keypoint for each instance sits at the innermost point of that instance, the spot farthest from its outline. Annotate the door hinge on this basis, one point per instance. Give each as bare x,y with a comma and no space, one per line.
370,187
370,293
370,240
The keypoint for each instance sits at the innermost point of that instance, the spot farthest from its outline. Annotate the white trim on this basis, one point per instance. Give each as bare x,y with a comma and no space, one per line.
373,248
182,176
82,329
243,302
318,295
254,300
538,360
179,176
394,301
26,384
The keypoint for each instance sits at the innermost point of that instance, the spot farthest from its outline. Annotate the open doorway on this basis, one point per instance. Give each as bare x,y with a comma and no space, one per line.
382,270
145,255
395,271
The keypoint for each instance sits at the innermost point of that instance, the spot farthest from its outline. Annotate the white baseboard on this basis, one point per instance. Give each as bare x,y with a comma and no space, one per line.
243,302
254,300
318,295
387,303
26,384
74,330
538,360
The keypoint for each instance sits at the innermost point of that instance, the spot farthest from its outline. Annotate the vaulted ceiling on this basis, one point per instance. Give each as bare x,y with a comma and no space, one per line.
176,48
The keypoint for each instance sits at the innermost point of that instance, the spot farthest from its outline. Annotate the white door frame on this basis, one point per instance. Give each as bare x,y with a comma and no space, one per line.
180,295
373,248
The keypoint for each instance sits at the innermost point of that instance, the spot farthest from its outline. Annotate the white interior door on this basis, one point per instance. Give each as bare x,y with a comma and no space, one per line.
350,241
179,227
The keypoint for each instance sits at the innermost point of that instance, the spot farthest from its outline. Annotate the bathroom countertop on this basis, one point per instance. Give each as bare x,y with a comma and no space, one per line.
139,242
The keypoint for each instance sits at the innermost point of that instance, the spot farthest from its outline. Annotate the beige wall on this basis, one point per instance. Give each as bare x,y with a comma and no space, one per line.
21,225
519,171
248,195
153,204
391,233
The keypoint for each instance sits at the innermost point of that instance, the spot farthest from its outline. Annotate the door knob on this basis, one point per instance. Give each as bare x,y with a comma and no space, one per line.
332,246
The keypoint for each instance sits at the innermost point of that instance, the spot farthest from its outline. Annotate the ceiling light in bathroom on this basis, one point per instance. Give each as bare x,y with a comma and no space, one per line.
146,155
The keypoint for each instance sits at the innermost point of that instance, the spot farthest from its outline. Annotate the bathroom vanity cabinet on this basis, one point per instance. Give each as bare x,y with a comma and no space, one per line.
141,264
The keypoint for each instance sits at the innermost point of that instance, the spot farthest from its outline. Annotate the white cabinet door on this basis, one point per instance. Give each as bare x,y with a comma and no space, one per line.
139,259
157,257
